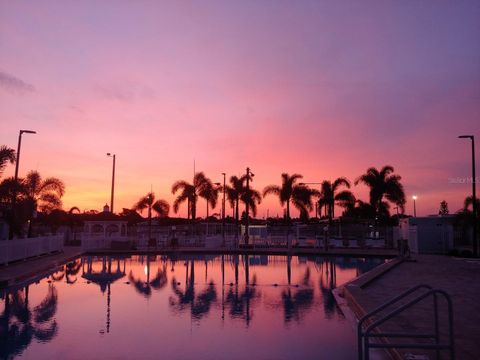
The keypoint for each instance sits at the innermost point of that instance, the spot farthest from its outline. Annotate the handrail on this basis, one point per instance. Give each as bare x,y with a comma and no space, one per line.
380,308
437,346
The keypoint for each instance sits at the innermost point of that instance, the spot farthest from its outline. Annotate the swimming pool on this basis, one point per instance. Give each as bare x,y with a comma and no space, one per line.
183,307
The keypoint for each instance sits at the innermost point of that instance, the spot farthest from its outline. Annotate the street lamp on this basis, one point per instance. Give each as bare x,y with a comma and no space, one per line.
247,204
113,182
474,193
414,197
14,199
18,148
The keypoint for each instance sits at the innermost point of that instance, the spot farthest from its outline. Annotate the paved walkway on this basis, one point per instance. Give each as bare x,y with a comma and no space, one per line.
23,270
460,278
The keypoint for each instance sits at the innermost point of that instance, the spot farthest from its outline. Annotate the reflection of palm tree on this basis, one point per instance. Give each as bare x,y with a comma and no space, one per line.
157,283
327,284
240,302
19,325
300,301
199,304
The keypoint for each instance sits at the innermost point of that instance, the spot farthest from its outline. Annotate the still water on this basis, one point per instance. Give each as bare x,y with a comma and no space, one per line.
184,307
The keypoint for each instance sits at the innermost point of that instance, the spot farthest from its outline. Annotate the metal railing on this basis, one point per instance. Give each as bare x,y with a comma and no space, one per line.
364,336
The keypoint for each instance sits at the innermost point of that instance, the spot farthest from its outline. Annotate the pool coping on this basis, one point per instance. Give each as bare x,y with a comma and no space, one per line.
351,308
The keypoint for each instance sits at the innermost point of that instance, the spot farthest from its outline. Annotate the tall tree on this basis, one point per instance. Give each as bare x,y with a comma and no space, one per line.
234,193
189,193
45,194
7,155
443,208
290,192
330,196
161,207
209,192
383,184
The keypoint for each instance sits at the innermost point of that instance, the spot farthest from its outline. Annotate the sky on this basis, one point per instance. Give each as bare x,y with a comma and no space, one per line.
320,88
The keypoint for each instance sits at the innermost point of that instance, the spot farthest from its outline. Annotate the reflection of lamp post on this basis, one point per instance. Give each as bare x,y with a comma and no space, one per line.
414,197
14,200
474,194
113,182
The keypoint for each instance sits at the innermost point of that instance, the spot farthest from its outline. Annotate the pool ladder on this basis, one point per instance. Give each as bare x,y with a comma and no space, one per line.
367,327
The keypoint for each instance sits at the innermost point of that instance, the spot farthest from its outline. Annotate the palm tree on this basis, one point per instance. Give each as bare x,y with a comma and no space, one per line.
289,192
45,194
252,197
7,155
234,192
161,207
383,184
209,192
329,196
189,193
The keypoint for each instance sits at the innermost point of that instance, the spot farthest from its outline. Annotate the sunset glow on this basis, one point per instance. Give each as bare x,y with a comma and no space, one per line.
324,91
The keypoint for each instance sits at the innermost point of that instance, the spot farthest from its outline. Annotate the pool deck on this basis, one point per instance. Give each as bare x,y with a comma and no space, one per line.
22,271
460,278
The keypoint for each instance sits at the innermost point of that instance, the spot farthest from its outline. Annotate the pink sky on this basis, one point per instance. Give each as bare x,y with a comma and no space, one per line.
324,89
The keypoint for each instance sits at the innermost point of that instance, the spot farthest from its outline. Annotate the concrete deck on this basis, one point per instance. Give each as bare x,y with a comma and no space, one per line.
35,267
460,278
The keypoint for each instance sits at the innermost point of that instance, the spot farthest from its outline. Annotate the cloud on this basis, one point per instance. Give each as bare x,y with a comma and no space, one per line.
126,92
14,85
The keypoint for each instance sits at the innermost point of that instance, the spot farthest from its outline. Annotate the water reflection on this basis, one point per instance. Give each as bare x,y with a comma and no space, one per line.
259,292
20,323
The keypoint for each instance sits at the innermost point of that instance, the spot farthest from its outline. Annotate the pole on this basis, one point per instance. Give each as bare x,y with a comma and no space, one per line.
247,207
18,154
474,195
414,208
223,210
113,185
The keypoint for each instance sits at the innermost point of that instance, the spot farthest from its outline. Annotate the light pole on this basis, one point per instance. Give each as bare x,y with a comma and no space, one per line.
247,205
414,197
18,149
113,182
223,209
474,194
14,199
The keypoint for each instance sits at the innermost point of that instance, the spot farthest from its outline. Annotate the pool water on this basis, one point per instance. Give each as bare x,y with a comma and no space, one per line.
183,307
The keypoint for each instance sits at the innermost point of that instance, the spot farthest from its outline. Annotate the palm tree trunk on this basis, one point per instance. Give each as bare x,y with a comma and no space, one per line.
288,211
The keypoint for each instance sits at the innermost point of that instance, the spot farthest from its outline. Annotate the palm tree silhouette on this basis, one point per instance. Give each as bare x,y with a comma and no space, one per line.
209,192
7,155
299,195
329,196
252,197
383,184
161,207
189,193
44,193
234,191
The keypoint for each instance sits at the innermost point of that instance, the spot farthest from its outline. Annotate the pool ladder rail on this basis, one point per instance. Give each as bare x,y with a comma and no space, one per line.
367,328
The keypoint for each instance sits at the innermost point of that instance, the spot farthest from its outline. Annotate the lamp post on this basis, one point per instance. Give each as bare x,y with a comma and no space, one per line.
14,199
414,197
474,194
223,210
113,182
18,148
247,205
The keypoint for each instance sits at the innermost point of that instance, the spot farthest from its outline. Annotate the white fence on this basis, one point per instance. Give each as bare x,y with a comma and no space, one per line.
19,249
